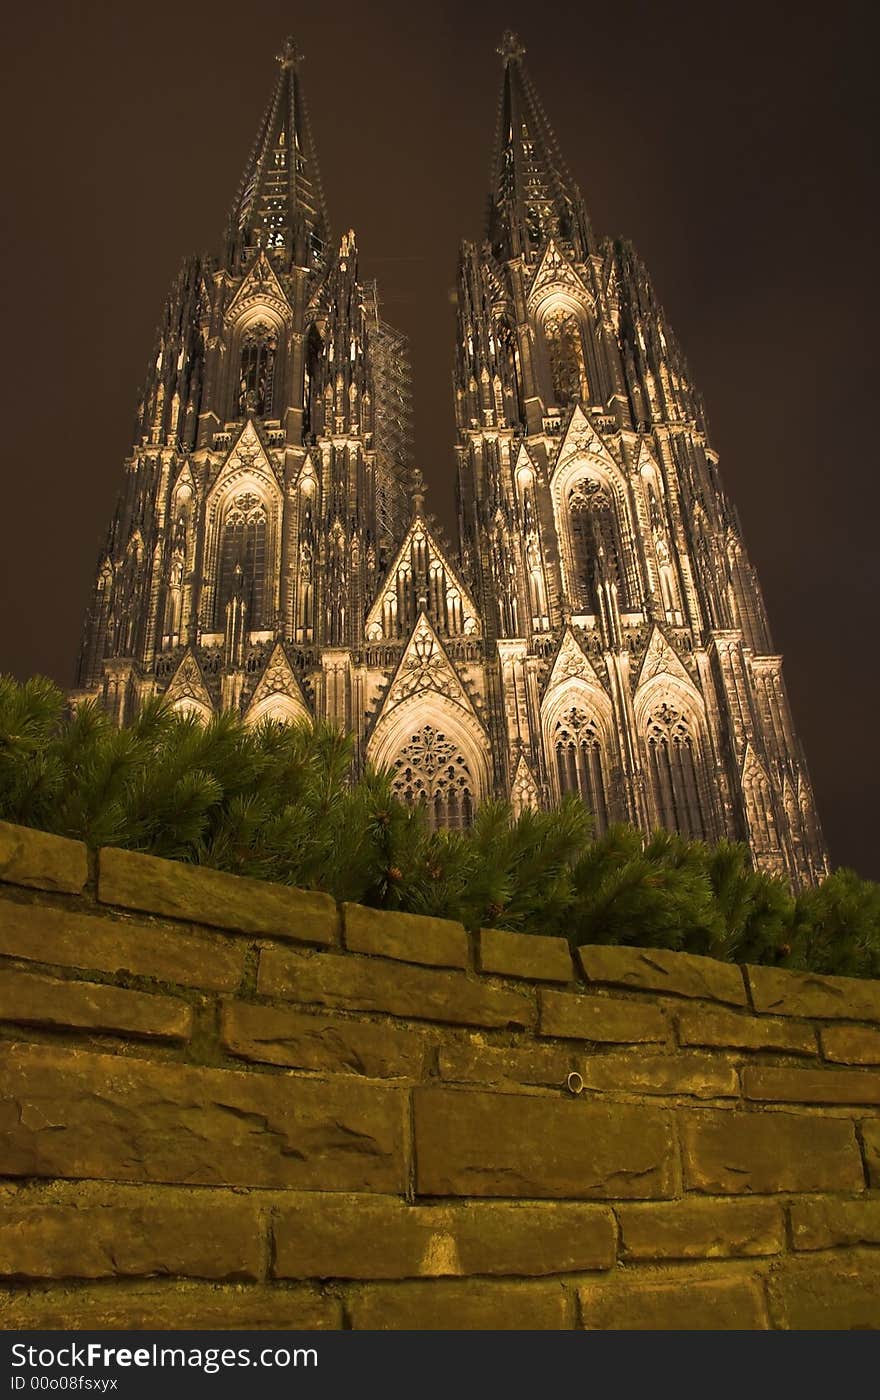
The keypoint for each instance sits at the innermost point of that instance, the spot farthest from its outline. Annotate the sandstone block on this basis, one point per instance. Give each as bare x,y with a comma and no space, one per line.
410,938
525,955
201,895
658,970
811,1085
823,1222
575,1016
722,1029
689,1305
29,999
120,945
174,1305
373,1237
277,1036
490,1144
72,1113
731,1153
42,861
166,1233
697,1075
483,1064
480,1305
364,984
870,1131
809,994
701,1229
851,1045
837,1293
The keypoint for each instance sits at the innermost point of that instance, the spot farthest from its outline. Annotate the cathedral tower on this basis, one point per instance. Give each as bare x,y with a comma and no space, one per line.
600,630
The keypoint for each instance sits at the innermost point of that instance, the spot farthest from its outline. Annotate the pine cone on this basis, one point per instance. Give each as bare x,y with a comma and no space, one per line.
394,874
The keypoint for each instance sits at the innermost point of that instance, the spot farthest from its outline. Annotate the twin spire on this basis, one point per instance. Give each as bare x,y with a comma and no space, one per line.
533,196
280,204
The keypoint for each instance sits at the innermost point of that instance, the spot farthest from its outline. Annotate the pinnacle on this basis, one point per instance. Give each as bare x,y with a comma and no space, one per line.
289,57
511,46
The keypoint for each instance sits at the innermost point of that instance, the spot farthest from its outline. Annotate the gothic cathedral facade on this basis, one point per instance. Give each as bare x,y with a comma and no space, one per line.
598,631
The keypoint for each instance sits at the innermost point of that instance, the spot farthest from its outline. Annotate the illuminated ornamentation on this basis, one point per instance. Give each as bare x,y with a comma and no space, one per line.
597,629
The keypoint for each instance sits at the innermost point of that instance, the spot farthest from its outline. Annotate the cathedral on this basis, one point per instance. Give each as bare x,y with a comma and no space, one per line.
598,630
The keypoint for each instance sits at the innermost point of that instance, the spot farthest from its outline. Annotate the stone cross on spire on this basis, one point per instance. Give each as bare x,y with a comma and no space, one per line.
289,57
511,46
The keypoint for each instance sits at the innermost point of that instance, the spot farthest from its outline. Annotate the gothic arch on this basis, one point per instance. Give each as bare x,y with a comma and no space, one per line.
439,757
281,708
243,529
591,507
673,737
257,361
578,729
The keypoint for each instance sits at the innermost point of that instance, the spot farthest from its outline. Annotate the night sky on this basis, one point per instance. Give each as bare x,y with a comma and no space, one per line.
734,145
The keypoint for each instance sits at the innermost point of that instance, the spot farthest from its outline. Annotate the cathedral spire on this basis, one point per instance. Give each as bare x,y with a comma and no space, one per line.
279,204
533,196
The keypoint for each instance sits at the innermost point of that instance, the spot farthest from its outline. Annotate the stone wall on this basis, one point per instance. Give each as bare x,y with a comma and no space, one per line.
232,1104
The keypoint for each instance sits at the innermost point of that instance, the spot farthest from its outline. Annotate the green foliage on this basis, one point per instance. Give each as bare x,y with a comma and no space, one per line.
837,927
283,803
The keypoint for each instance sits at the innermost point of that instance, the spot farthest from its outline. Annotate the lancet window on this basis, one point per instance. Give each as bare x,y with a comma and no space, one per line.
674,765
257,372
565,353
594,541
432,773
577,750
243,548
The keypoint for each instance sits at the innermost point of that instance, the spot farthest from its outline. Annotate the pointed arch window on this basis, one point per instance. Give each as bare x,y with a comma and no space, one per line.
565,353
577,751
596,554
242,564
257,370
432,773
674,772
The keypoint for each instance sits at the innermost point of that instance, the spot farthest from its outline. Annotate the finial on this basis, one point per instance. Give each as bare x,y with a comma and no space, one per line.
289,56
511,46
417,482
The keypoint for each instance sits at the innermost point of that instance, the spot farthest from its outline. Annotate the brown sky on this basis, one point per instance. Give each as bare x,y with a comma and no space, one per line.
733,144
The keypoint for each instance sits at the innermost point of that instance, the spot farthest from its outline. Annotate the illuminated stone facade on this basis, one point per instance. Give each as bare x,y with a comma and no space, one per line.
599,630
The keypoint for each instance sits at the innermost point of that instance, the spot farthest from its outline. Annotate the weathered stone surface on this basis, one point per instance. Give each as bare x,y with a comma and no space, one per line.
485,1144
575,1016
732,1153
374,1237
851,1045
280,1037
826,1221
525,955
701,1229
42,861
723,1029
809,994
483,1064
364,984
175,1305
202,895
71,1113
29,999
163,1233
658,970
119,945
410,938
480,1305
836,1293
783,1085
675,1304
870,1132
644,1073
